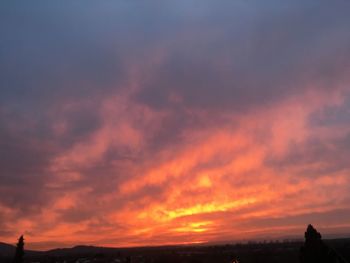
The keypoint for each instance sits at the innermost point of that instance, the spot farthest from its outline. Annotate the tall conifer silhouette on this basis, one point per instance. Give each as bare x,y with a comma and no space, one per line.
19,251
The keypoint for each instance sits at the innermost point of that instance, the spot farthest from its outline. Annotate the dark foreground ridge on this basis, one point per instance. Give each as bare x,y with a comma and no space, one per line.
312,250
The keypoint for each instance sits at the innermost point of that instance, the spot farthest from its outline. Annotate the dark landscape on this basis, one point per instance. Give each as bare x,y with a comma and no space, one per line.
293,251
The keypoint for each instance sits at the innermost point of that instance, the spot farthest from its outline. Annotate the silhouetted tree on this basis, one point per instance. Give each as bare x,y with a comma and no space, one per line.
314,249
19,251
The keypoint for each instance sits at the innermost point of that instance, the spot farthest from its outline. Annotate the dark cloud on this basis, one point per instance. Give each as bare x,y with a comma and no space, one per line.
332,116
60,52
75,215
332,154
334,216
271,54
50,55
330,151
24,163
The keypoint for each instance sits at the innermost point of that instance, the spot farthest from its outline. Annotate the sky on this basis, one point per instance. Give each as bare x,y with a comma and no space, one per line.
141,123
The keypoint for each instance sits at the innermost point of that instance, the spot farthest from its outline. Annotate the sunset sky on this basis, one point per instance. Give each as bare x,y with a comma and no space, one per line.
132,123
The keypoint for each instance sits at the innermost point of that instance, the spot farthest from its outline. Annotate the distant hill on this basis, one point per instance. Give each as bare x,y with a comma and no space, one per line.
290,250
6,250
81,250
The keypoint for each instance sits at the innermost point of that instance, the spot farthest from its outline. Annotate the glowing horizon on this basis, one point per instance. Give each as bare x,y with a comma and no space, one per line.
133,124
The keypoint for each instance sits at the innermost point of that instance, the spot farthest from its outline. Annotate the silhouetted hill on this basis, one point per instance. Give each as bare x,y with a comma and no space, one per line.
6,249
251,252
81,250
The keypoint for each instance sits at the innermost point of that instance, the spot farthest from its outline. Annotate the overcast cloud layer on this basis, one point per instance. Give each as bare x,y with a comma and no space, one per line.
160,122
